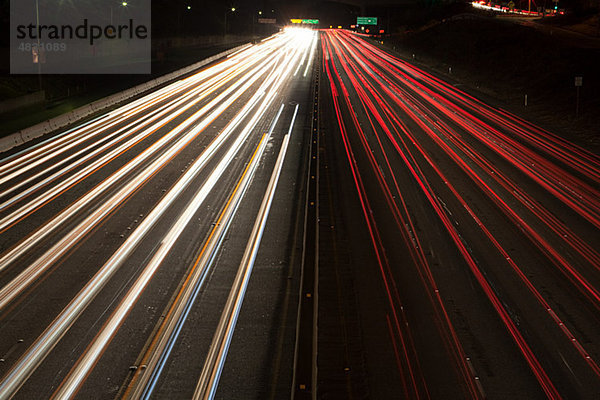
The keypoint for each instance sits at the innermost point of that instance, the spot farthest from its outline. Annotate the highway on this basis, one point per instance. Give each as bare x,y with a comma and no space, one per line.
156,250
152,252
472,235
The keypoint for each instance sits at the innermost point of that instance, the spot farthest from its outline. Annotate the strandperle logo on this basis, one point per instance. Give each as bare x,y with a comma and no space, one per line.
81,37
83,31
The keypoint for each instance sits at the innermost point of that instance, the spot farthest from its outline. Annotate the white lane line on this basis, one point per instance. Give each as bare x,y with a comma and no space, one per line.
213,366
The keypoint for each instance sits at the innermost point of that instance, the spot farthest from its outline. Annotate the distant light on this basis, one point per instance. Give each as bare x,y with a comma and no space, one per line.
232,9
362,27
339,27
124,4
189,7
260,13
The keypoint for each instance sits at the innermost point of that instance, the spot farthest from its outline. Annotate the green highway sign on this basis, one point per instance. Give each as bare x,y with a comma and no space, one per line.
304,21
366,20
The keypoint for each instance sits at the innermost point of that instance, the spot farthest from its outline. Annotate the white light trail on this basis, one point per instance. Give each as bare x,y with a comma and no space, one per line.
145,384
93,352
213,366
312,52
275,59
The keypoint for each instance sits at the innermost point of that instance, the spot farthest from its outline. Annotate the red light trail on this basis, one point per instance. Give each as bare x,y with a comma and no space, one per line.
390,113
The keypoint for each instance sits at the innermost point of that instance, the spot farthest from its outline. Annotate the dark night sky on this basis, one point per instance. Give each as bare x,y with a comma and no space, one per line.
167,13
206,17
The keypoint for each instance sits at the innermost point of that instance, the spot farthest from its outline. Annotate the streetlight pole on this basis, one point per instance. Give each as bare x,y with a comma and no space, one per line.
232,9
124,4
39,52
255,27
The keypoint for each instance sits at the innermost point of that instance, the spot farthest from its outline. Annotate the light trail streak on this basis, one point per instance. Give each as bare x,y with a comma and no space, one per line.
170,112
312,53
46,342
159,351
407,228
11,290
14,161
80,371
156,126
505,255
276,59
157,355
55,147
374,74
529,356
59,144
556,180
563,233
416,386
545,217
240,50
213,366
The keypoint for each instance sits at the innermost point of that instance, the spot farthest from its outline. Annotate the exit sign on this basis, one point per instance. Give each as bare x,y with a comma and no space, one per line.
366,20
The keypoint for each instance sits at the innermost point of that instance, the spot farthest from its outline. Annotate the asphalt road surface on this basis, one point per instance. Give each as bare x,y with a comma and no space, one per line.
130,243
469,238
